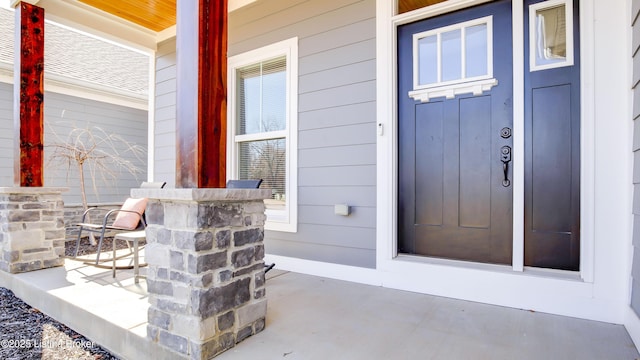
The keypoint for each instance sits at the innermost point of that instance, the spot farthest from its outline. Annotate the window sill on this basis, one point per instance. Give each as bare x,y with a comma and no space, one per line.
450,91
280,226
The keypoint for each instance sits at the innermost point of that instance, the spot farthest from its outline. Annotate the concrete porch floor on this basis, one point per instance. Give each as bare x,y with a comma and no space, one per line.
317,318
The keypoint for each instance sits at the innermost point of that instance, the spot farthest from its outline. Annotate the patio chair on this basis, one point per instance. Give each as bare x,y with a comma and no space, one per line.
248,184
244,184
129,218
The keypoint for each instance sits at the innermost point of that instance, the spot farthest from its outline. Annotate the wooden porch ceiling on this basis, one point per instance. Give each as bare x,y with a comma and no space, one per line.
408,5
156,15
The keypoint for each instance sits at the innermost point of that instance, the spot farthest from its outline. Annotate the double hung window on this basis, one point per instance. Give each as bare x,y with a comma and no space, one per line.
262,131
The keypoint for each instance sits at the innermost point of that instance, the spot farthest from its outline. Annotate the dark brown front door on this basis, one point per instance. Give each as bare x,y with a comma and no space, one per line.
454,201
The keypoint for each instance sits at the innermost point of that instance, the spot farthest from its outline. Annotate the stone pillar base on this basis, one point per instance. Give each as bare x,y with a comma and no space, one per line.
206,270
32,231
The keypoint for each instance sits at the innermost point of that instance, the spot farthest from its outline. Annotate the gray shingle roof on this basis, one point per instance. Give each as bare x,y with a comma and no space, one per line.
84,58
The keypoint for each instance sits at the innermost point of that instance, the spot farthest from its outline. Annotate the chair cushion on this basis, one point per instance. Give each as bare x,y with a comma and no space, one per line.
129,220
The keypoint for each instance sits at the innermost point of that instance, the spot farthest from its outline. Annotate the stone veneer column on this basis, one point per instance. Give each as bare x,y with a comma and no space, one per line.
205,277
32,231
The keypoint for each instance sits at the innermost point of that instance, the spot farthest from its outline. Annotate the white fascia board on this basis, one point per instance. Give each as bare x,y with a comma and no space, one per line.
84,90
88,19
170,32
99,23
78,88
14,3
237,4
91,20
166,34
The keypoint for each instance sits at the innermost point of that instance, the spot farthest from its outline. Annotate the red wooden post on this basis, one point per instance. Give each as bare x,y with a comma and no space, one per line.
29,95
201,41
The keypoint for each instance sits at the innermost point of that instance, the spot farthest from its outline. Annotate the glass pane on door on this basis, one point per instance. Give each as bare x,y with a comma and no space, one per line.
428,60
451,55
476,51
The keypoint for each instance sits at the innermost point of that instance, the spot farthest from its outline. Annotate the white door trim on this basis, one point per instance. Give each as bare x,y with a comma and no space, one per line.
587,140
517,12
463,280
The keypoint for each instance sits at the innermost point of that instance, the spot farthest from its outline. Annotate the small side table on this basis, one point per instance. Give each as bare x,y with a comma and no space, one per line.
130,237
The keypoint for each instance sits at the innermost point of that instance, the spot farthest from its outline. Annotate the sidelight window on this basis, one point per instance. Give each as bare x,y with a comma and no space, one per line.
550,35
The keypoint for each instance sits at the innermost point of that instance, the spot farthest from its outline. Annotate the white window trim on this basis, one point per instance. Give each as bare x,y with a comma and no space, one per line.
476,88
284,220
466,85
568,5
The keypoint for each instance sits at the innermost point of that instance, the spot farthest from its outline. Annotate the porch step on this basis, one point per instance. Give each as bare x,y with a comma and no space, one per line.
111,312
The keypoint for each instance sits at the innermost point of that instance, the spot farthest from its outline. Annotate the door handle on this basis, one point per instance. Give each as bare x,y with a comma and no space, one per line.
505,157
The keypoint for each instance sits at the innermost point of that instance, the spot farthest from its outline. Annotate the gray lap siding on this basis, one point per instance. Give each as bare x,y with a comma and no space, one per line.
336,122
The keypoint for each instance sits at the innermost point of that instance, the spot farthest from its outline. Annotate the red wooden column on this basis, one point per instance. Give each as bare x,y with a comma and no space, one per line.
201,34
28,91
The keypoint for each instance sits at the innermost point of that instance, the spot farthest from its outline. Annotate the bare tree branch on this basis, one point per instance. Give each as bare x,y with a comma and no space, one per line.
100,154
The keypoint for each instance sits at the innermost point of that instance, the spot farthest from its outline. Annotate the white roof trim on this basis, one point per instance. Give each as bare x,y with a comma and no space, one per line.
237,4
170,32
15,3
72,87
166,34
85,18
